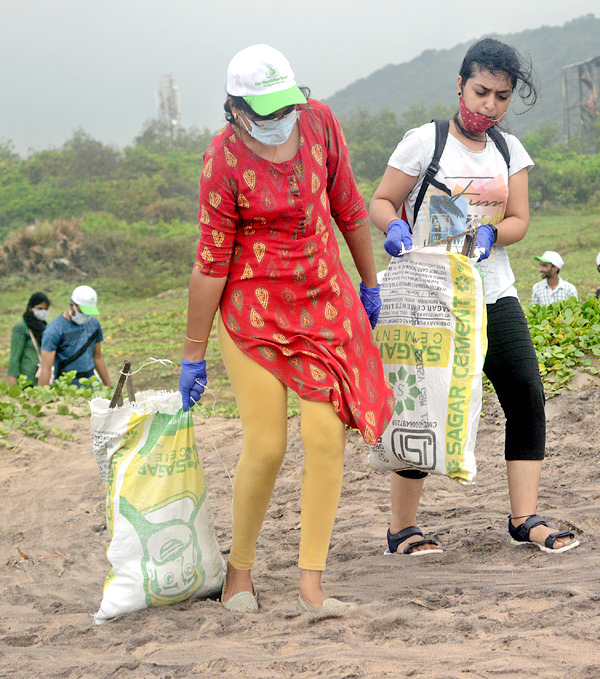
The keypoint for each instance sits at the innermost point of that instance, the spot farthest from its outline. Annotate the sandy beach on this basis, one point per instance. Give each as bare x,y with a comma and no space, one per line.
482,609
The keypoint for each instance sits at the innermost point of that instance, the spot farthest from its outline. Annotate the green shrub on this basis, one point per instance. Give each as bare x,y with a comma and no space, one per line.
565,337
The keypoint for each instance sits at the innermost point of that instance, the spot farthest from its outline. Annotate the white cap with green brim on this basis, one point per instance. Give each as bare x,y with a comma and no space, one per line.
264,78
550,257
86,299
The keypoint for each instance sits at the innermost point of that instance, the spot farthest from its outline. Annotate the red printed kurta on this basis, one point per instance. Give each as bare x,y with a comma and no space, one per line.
288,304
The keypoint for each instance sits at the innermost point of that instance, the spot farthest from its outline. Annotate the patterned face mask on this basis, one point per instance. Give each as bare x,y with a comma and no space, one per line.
475,122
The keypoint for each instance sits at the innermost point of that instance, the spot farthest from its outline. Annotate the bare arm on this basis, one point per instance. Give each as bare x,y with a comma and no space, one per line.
101,365
393,190
203,301
361,249
516,216
47,363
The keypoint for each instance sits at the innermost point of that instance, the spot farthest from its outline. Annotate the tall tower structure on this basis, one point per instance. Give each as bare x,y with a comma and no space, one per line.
168,103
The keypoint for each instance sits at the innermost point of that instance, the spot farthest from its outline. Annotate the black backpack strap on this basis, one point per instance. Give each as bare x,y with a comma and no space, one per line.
66,361
501,144
441,135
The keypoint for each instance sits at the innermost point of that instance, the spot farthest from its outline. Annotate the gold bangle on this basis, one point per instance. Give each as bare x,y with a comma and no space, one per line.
197,341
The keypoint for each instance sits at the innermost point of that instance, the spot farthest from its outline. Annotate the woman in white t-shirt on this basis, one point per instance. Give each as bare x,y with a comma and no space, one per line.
475,181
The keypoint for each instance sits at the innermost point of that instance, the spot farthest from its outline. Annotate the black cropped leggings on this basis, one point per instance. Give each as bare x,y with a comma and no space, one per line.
512,367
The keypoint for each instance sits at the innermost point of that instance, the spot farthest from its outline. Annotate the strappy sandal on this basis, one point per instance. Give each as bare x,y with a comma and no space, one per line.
395,539
520,535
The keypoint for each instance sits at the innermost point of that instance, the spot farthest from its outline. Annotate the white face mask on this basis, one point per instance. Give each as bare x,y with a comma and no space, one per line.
79,317
40,314
273,132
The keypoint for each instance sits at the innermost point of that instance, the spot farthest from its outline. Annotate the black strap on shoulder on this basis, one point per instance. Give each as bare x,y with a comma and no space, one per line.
66,361
441,135
501,144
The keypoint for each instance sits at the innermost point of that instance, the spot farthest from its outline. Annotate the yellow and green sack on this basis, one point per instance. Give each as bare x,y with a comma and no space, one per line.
163,547
432,338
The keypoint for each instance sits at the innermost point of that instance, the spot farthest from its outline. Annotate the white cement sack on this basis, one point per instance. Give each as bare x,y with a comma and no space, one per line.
432,338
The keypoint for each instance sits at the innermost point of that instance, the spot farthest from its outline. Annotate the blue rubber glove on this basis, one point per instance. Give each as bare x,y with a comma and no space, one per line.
484,241
371,300
398,240
192,382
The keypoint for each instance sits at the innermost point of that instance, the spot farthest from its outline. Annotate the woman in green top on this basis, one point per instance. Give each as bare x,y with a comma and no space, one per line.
24,353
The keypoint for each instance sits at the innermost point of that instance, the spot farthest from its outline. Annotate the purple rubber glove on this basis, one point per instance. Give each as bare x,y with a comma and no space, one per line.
371,300
191,382
484,241
398,240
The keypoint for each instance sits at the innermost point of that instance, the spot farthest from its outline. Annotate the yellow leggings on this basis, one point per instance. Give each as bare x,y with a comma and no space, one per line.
262,402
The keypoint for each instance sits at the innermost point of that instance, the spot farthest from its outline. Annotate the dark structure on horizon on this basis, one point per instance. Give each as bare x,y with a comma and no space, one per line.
581,103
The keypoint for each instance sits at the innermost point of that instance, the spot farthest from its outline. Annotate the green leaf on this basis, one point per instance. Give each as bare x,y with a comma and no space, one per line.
14,391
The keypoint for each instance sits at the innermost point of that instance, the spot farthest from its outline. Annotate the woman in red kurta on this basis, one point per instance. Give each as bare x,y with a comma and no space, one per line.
289,315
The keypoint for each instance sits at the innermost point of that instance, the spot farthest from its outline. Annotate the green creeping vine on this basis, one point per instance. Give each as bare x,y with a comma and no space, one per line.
23,407
566,337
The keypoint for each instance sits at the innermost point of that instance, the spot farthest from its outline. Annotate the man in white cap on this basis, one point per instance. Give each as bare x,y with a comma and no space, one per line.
72,341
552,288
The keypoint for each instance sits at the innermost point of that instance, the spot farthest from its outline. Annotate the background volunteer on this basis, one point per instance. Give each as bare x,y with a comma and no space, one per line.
26,340
73,340
552,288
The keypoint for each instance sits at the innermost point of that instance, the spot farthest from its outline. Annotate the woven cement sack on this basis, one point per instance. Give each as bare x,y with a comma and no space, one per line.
432,338
163,547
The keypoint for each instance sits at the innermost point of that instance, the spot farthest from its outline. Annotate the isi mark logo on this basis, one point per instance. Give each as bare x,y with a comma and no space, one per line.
417,447
414,441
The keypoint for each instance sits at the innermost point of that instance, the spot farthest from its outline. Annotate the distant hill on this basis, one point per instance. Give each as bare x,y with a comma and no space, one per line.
430,78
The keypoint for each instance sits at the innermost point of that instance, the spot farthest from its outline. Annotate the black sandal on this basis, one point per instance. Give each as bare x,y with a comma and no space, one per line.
395,539
520,535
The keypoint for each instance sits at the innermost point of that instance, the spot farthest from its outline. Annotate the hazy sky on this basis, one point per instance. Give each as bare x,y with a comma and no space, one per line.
96,64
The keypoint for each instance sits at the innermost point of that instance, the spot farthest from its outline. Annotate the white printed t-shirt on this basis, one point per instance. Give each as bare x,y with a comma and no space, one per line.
478,183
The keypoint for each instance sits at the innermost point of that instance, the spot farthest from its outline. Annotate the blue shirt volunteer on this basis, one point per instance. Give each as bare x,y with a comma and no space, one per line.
67,339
